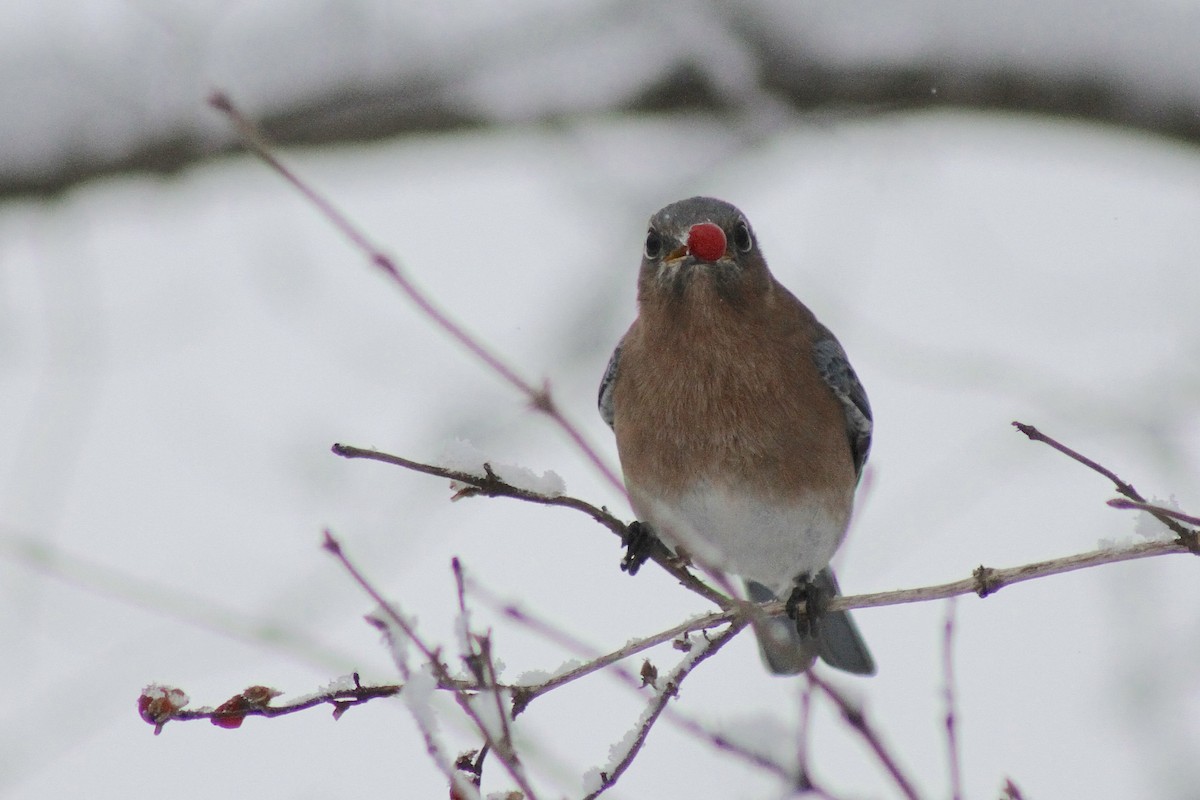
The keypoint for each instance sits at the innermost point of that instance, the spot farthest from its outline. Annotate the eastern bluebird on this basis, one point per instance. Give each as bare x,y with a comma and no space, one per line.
741,427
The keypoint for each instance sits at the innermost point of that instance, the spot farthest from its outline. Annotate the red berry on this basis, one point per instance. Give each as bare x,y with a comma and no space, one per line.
706,241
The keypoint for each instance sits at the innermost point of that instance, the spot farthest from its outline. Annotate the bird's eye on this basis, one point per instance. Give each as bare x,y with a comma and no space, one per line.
653,244
741,237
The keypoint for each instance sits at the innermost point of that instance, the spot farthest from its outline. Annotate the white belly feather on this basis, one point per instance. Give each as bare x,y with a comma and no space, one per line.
748,536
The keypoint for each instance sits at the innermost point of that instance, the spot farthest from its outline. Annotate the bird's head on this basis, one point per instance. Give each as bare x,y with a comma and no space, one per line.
701,239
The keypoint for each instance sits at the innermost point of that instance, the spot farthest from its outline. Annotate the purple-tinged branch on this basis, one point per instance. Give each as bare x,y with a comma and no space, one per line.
1188,538
538,397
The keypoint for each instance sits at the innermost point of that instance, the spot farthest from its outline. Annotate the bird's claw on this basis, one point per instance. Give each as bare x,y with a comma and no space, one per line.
812,600
639,544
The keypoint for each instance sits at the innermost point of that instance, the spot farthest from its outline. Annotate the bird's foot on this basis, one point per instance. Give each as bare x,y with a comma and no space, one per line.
639,542
811,599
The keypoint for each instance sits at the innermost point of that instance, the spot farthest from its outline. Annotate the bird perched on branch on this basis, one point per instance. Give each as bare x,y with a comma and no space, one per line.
741,427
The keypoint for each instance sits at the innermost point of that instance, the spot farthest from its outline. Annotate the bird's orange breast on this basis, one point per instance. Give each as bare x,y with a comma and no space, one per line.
722,392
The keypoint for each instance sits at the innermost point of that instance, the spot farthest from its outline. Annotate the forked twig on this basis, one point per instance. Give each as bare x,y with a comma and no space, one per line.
442,675
1188,538
1158,511
478,658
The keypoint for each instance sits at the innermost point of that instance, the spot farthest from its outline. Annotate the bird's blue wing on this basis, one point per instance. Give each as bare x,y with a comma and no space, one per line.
605,400
835,370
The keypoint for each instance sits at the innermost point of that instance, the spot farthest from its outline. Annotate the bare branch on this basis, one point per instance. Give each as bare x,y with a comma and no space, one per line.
948,692
1188,538
490,485
1035,435
803,732
538,397
478,658
857,720
1156,510
664,694
246,704
597,663
987,580
507,758
805,783
785,772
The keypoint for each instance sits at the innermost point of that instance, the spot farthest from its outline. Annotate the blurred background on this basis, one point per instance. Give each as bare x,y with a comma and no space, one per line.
994,206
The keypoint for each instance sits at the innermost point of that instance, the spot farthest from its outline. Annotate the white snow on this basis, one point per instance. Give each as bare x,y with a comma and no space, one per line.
157,691
1149,528
532,677
1146,527
340,684
462,456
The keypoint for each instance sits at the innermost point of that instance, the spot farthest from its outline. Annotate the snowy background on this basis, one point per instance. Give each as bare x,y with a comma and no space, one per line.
178,351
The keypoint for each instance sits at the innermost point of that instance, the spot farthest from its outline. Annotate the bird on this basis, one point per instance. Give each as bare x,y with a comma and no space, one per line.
741,428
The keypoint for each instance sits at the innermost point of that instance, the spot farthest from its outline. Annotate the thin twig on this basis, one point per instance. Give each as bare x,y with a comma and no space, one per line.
489,680
1190,539
806,784
539,397
1011,791
804,780
986,581
632,648
442,675
1036,435
948,693
669,689
478,658
240,706
523,695
722,743
1156,510
855,719
490,485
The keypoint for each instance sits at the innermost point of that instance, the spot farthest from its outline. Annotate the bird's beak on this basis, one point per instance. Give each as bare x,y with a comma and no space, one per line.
677,253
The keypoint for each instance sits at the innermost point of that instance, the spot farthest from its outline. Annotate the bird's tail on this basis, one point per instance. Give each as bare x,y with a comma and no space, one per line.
837,641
